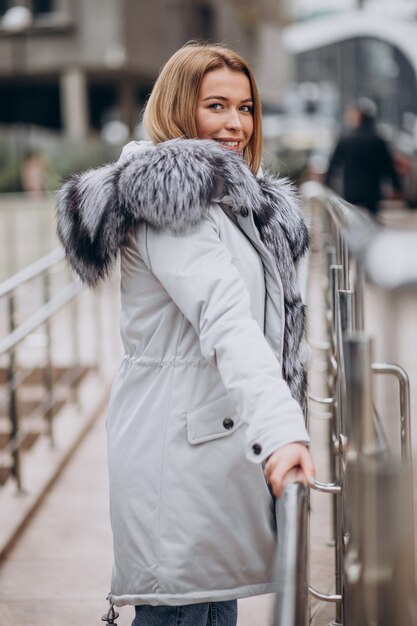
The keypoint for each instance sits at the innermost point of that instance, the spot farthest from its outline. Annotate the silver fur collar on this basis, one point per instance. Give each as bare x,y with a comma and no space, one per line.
171,185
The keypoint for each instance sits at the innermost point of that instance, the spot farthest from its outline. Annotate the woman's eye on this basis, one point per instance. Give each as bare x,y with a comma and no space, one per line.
216,106
247,108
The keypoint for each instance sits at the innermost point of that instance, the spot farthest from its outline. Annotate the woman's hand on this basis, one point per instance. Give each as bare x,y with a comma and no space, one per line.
290,463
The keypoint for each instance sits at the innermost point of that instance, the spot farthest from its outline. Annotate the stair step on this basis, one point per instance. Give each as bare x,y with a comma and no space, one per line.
37,375
5,473
29,440
27,407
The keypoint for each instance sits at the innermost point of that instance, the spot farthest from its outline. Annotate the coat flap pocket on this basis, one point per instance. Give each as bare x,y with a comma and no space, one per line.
212,421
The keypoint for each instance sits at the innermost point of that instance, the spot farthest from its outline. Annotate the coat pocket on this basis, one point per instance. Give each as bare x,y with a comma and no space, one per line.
212,421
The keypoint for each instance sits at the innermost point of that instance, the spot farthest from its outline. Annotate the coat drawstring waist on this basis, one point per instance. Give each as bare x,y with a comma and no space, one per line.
172,361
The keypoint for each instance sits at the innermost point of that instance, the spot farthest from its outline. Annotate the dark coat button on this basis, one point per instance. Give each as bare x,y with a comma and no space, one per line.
244,212
257,449
228,423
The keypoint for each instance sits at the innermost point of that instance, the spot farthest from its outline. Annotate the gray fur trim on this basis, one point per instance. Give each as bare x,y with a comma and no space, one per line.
284,232
172,185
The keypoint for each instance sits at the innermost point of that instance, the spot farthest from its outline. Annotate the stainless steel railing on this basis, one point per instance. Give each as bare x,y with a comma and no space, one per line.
373,525
41,316
291,606
374,547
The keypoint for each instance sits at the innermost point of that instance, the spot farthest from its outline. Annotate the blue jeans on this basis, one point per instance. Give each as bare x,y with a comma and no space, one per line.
206,614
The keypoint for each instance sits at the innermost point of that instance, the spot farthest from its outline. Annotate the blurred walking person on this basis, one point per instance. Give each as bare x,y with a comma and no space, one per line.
33,172
363,159
207,402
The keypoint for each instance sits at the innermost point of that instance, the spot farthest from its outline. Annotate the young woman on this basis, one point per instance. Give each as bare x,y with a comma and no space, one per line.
208,399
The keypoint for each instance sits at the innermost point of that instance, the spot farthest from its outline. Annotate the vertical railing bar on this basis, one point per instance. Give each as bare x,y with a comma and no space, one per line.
336,279
359,298
13,396
291,604
48,371
330,257
345,264
74,332
357,352
336,241
405,410
345,323
98,330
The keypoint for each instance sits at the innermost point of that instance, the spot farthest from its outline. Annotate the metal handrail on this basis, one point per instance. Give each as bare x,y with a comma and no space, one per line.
326,487
41,316
9,346
405,412
324,597
357,248
370,243
291,607
31,271
346,217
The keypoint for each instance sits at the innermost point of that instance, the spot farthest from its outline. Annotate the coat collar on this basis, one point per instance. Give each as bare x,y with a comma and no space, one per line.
169,186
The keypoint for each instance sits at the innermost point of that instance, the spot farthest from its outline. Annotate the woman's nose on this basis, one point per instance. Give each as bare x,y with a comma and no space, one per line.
233,120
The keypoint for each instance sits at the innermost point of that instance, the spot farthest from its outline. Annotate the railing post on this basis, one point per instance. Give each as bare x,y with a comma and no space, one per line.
76,361
13,397
345,262
291,604
343,322
98,299
48,370
357,364
359,297
336,275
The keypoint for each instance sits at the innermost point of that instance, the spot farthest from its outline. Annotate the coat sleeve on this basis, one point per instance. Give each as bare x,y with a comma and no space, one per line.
196,270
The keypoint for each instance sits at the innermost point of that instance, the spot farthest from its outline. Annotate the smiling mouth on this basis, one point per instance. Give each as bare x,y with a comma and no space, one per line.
229,143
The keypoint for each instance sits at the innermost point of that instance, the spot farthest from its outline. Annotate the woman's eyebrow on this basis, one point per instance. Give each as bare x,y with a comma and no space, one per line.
223,98
214,98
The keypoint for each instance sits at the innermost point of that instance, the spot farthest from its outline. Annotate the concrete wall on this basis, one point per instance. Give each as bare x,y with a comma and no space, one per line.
152,32
125,43
91,28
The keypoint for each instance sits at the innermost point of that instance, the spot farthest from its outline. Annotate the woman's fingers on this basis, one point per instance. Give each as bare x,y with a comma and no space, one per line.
295,475
290,463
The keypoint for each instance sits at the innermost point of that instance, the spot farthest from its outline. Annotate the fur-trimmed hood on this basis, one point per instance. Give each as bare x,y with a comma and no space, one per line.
169,186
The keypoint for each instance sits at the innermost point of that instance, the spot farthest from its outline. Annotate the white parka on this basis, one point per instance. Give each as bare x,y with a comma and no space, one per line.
199,400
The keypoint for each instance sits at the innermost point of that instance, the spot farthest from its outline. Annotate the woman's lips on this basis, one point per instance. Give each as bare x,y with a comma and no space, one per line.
230,144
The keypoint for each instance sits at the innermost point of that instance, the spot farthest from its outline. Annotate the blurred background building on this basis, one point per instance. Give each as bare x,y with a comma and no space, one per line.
75,74
82,69
73,65
367,49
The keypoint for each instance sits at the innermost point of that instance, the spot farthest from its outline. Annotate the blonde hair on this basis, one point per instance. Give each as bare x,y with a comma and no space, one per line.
171,109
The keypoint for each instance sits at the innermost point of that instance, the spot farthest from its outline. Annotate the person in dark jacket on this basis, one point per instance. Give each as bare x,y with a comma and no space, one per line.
365,161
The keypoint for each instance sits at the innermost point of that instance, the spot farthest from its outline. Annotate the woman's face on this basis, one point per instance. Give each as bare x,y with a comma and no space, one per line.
225,109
